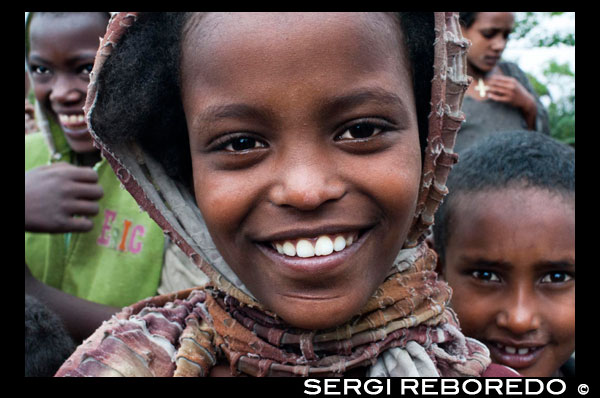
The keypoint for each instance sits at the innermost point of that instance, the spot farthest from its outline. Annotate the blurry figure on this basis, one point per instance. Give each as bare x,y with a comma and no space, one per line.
88,248
500,98
47,343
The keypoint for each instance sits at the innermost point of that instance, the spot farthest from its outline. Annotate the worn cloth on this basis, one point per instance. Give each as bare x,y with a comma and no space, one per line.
405,328
486,117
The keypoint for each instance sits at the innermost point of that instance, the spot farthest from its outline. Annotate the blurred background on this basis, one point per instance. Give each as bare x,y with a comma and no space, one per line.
543,45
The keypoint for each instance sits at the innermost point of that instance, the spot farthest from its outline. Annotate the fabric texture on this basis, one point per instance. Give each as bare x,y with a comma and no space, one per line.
486,117
119,261
405,328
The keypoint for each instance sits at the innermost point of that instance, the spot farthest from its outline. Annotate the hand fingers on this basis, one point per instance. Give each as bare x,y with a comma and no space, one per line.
83,208
78,224
75,173
84,174
498,98
89,191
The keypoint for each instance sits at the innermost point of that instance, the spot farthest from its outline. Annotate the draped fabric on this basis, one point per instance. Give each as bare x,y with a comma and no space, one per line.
405,329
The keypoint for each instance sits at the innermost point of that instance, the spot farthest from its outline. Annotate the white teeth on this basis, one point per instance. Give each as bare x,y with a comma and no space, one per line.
289,249
323,246
339,243
304,248
514,350
71,119
279,248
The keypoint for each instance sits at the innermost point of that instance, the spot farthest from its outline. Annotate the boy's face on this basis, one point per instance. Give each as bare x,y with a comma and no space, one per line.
63,48
488,35
510,260
303,126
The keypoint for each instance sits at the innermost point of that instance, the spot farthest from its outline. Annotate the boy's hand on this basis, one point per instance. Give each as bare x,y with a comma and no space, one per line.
58,197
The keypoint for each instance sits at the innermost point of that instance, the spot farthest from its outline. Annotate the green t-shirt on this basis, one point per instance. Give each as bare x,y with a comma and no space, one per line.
117,263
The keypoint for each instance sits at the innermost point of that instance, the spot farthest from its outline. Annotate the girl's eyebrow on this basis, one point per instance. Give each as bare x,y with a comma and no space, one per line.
214,113
327,107
361,96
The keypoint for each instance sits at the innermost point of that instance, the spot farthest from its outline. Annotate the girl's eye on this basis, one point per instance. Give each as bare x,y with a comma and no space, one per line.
556,277
39,70
487,276
241,144
360,131
86,69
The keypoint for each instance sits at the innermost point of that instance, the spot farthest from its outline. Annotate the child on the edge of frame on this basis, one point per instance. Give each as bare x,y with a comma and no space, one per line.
505,237
292,168
89,250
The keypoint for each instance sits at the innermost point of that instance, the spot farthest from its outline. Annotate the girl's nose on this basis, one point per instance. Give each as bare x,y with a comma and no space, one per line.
499,43
306,182
520,314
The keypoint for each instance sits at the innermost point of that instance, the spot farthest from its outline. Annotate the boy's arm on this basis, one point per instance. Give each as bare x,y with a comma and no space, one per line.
80,317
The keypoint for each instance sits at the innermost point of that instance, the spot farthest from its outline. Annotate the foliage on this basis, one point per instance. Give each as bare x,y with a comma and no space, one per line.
561,110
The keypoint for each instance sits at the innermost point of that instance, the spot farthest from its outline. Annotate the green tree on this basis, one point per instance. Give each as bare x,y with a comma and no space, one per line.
561,110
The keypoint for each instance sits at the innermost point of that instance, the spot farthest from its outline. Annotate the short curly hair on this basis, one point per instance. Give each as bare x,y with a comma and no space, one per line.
143,73
509,159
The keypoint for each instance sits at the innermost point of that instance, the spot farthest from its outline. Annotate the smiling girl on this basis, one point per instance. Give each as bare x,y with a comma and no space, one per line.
285,153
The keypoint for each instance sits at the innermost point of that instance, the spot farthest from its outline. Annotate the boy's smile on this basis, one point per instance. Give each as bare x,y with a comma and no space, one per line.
305,154
510,261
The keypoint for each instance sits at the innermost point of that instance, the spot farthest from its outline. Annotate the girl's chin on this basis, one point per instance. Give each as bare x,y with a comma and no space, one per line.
318,310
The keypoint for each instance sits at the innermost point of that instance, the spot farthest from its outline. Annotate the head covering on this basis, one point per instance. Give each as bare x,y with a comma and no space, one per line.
405,328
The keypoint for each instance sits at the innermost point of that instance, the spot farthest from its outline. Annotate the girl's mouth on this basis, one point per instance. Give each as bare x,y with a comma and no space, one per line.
323,245
315,254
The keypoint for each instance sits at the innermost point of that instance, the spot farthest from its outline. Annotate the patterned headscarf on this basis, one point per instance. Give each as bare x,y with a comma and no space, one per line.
405,329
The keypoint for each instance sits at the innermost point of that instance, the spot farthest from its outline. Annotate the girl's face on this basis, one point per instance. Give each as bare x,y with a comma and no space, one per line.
510,261
489,35
303,137
63,48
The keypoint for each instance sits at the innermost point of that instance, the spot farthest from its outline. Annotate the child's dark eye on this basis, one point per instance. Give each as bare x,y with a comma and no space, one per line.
242,143
556,277
360,130
487,276
39,70
86,69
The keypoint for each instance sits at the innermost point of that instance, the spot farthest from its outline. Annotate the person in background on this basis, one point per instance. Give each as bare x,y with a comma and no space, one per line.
89,249
505,236
500,97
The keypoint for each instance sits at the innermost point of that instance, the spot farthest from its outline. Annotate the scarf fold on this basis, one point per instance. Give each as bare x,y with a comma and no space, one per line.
404,329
